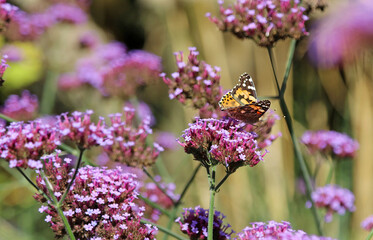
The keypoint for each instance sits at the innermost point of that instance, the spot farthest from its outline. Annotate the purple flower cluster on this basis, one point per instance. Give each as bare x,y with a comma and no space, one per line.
126,144
21,108
197,82
7,12
367,224
328,142
3,67
80,129
100,204
153,193
334,199
275,231
22,144
264,21
339,37
14,53
213,141
29,26
113,70
194,223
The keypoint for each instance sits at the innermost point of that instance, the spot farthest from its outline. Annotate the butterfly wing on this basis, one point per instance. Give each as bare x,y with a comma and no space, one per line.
244,92
250,113
227,102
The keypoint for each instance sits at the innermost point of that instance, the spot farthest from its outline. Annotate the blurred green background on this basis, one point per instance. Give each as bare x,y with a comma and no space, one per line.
319,99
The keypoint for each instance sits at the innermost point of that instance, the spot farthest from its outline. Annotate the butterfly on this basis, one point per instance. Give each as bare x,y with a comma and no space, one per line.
241,102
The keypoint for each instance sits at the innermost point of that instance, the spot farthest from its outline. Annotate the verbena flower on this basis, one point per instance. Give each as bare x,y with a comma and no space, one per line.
330,142
7,11
154,194
195,82
213,141
29,26
166,139
3,67
114,71
275,231
195,220
100,204
367,224
126,143
89,40
341,36
80,129
334,199
23,144
264,21
263,129
21,108
13,52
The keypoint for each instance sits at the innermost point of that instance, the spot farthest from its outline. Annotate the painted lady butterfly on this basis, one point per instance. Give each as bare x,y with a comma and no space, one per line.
241,102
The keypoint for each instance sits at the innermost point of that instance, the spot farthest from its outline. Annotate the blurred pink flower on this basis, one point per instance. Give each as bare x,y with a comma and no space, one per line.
21,108
367,224
341,36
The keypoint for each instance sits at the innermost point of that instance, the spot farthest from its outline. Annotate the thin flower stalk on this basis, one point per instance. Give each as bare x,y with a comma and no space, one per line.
210,227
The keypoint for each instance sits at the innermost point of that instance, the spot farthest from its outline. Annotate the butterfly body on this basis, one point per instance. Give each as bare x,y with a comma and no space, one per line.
241,102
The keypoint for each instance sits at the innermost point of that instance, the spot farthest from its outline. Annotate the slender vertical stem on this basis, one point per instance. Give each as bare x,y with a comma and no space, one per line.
49,93
370,235
331,170
73,177
289,123
188,184
270,53
171,221
210,226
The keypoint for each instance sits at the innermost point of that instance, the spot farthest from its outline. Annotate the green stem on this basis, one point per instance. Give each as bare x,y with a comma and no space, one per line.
73,177
370,235
270,53
154,205
222,181
159,186
162,229
6,118
331,171
188,184
49,93
288,66
171,221
289,123
57,206
210,226
33,184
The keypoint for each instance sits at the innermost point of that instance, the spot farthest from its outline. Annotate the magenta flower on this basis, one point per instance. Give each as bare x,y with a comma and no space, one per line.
67,13
7,12
166,139
194,224
367,224
342,35
100,204
79,129
195,81
21,108
14,53
126,143
328,142
275,231
23,144
154,194
213,141
3,67
264,21
334,199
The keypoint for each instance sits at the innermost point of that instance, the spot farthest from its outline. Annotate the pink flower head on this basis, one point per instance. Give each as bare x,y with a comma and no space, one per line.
275,231
367,224
21,108
14,53
67,13
3,67
328,142
126,143
100,203
154,194
23,144
334,199
80,129
7,12
264,21
195,81
343,34
213,141
194,224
